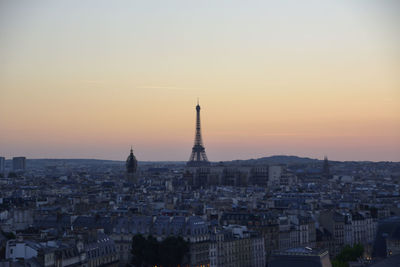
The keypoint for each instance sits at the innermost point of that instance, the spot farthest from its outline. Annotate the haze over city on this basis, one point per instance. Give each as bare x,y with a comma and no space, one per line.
88,79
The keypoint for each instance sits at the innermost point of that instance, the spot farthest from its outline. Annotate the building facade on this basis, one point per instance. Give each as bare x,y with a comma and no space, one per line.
19,164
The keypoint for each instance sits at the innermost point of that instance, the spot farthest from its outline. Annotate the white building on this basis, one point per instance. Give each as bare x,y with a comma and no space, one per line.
19,249
274,175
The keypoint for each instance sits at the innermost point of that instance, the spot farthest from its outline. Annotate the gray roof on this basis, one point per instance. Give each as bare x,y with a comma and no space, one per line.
162,225
103,245
133,225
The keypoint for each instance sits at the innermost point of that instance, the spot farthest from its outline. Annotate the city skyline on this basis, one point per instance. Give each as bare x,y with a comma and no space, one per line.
306,79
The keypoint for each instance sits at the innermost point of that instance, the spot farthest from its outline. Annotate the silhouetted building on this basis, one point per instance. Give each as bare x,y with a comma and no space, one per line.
259,176
131,168
2,162
19,164
198,156
300,257
201,177
387,241
325,168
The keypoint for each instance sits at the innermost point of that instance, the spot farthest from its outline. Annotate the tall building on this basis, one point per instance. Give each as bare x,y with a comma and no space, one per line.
259,175
198,157
2,162
131,168
19,164
325,168
274,175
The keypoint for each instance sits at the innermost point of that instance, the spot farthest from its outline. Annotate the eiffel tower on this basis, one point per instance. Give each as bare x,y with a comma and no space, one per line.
198,157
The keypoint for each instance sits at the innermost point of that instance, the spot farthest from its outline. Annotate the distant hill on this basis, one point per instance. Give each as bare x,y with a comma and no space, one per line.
279,159
287,159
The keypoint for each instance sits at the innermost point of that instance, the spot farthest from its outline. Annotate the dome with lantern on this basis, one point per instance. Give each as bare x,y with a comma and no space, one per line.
131,163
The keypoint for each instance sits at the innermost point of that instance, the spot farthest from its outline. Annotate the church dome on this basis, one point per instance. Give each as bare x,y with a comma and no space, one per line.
131,163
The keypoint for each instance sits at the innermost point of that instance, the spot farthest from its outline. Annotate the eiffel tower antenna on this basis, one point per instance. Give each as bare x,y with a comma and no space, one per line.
198,156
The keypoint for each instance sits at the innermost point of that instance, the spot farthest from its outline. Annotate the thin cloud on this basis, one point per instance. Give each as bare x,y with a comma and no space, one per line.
163,87
92,81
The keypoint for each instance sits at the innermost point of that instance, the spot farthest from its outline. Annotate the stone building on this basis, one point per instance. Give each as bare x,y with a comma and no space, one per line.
131,168
235,246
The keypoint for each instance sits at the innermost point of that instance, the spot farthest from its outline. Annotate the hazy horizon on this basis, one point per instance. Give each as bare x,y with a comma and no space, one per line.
88,79
184,161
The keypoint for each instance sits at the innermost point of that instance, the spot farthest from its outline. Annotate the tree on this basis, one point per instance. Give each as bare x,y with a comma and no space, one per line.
12,175
337,263
138,246
149,252
347,254
173,250
9,235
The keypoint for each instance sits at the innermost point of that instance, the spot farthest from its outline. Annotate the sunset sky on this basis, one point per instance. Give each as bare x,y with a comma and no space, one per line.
88,79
